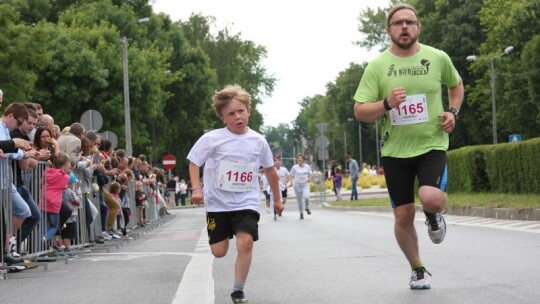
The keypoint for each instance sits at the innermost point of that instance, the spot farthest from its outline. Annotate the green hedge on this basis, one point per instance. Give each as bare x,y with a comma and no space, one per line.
501,168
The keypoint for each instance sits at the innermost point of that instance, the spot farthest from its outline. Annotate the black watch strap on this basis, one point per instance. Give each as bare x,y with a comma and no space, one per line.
455,112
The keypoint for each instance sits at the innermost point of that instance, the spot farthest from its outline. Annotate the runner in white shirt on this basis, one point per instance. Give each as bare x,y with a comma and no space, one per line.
284,179
231,157
301,174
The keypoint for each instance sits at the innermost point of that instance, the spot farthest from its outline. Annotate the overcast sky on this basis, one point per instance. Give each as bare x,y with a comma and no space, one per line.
308,42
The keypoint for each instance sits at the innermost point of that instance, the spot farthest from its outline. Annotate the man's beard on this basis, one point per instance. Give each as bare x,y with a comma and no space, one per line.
405,46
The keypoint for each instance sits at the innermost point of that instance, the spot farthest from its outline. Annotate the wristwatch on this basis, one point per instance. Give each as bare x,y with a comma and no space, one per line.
455,112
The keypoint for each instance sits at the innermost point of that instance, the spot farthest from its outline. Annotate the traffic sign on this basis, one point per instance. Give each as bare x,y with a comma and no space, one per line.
514,138
169,162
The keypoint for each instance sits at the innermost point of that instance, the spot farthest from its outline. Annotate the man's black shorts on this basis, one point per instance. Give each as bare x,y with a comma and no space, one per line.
284,193
400,173
223,225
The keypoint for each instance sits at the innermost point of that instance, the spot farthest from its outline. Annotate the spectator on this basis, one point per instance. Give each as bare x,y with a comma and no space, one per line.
354,171
56,180
13,117
23,177
182,190
70,142
45,144
73,199
338,182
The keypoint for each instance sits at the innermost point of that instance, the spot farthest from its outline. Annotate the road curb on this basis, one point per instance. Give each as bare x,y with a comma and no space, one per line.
496,213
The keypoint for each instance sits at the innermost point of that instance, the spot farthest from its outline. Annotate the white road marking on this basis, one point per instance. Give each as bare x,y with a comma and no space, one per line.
513,225
197,284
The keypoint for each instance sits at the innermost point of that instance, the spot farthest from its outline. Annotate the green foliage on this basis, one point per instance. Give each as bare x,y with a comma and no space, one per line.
504,168
67,55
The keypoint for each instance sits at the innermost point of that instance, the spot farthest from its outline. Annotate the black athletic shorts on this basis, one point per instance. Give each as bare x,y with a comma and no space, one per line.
400,174
284,193
223,225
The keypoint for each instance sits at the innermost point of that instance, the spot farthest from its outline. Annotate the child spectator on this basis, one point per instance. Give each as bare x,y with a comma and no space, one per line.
112,200
72,197
140,202
338,182
56,180
124,201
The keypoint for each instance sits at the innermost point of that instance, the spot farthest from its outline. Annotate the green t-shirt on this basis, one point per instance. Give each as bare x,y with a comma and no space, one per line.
410,131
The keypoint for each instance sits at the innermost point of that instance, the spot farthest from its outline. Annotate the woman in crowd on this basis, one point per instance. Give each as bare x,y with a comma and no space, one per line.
45,144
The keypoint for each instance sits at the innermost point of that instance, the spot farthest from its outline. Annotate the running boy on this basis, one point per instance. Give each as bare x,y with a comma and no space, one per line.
232,157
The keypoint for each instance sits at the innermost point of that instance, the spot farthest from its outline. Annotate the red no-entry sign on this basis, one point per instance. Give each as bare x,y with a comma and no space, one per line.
169,161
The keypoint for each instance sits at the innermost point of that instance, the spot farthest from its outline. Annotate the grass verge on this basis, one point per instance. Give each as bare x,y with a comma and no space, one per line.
488,200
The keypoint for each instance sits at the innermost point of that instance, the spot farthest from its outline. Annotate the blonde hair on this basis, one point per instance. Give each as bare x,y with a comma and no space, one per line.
60,160
229,93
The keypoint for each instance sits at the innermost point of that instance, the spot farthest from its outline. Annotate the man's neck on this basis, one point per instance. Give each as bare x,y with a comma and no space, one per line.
401,52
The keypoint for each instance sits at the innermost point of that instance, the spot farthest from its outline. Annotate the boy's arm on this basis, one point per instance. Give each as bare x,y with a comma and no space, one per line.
273,182
196,187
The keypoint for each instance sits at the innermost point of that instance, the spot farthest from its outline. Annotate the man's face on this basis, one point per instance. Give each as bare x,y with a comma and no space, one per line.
13,122
39,113
404,28
28,125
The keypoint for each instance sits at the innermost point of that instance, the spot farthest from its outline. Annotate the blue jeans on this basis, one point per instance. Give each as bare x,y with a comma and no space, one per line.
354,191
30,222
53,220
20,207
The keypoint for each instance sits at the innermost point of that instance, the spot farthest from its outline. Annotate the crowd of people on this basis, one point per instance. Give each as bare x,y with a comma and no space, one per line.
61,177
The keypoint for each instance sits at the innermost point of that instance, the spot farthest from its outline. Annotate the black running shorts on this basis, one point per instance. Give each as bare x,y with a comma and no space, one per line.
223,225
400,174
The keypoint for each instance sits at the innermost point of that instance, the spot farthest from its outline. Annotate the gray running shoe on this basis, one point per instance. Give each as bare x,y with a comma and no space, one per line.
436,227
419,279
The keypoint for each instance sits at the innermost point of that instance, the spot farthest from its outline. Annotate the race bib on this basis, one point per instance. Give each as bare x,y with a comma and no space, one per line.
302,177
412,111
236,177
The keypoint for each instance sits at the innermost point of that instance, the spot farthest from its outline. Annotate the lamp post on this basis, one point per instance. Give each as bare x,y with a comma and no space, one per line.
507,51
127,113
359,139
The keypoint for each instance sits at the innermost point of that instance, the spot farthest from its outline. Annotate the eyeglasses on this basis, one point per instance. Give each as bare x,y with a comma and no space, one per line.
19,122
406,21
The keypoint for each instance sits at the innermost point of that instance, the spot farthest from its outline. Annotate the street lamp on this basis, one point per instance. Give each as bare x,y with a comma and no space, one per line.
359,138
127,114
507,51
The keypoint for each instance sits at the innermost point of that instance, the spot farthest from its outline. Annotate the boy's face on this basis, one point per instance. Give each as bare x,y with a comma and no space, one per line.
236,116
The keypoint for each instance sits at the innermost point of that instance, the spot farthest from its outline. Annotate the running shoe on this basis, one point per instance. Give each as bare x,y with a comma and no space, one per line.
238,297
301,216
419,279
436,227
308,211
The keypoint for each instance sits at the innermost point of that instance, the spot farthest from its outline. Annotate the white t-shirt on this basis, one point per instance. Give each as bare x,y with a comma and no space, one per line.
283,174
231,168
264,182
300,174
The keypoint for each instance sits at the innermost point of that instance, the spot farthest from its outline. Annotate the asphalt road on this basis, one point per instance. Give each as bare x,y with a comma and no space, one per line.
331,256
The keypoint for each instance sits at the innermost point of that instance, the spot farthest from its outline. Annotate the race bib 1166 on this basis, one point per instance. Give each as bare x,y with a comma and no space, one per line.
236,177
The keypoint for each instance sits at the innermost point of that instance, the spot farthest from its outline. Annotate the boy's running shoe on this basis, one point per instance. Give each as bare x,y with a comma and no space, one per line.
238,297
419,279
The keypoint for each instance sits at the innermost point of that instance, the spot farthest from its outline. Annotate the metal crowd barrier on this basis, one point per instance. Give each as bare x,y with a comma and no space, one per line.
34,248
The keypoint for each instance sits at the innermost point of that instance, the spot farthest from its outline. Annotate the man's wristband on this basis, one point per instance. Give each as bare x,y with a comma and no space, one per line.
386,105
196,191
